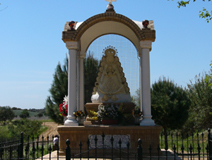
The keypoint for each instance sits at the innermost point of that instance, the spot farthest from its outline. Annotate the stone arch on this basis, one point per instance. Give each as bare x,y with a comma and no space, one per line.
110,17
94,27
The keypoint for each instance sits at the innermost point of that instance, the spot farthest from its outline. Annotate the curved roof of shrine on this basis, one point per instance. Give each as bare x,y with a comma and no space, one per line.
139,24
135,26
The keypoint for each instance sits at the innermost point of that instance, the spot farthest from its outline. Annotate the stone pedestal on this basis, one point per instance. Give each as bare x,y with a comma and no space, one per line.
148,134
127,107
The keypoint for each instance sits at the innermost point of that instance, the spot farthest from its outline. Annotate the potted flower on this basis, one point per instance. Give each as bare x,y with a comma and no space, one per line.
80,116
108,114
137,115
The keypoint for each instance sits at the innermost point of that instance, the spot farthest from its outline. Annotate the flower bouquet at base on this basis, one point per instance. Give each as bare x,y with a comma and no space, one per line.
108,114
63,107
79,116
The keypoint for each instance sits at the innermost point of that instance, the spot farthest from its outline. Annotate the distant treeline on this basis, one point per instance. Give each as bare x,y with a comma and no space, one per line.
31,109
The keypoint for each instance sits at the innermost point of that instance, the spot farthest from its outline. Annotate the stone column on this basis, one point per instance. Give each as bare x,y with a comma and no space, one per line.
81,84
145,83
78,82
72,77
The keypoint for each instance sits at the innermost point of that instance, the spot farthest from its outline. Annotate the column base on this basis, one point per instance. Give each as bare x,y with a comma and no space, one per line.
71,122
147,121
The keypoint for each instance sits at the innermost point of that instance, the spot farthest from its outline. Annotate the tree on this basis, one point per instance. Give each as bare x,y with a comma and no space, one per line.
6,113
202,14
59,88
24,114
170,104
208,77
39,114
200,94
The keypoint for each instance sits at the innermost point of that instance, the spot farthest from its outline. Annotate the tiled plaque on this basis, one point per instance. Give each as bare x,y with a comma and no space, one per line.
125,139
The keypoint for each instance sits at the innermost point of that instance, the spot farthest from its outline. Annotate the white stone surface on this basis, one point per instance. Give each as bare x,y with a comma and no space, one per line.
145,85
72,76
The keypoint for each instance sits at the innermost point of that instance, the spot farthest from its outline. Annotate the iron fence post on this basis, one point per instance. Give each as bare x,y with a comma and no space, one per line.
120,142
140,157
68,150
209,144
33,148
21,148
111,140
80,145
128,147
88,144
1,153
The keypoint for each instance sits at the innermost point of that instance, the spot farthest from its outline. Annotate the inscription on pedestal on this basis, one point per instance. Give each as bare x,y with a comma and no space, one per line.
107,141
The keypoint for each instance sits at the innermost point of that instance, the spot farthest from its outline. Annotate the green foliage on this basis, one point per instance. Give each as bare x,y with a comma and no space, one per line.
6,113
208,77
170,104
39,115
17,112
90,74
200,94
182,3
28,127
24,114
202,14
58,91
4,133
205,14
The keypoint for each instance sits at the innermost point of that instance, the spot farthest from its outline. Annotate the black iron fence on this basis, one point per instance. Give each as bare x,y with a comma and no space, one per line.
28,148
172,146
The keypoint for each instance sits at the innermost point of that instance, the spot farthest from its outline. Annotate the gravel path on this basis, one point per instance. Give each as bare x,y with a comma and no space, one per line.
52,129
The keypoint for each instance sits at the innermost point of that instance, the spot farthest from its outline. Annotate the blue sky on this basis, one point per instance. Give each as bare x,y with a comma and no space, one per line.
31,45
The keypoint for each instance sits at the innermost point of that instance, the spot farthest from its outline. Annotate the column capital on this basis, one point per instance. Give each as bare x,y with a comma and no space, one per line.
82,55
72,45
146,44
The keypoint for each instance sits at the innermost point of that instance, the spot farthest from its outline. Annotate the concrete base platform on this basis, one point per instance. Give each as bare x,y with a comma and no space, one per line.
76,134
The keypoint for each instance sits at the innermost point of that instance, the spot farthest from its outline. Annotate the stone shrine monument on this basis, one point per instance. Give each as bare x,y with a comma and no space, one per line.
111,84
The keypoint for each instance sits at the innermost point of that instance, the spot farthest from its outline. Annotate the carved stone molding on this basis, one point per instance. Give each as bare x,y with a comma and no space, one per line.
146,44
108,16
72,45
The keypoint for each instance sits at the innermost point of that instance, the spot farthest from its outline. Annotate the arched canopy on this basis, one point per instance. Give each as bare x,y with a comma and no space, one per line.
108,23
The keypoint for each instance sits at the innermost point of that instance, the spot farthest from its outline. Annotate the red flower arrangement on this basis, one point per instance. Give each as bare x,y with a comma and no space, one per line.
63,107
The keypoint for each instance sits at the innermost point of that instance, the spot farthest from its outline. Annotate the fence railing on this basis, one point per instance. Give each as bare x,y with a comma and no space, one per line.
171,146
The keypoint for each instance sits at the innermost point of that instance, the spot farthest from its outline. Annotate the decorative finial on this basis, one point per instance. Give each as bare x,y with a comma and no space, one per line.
110,7
145,23
110,1
72,25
